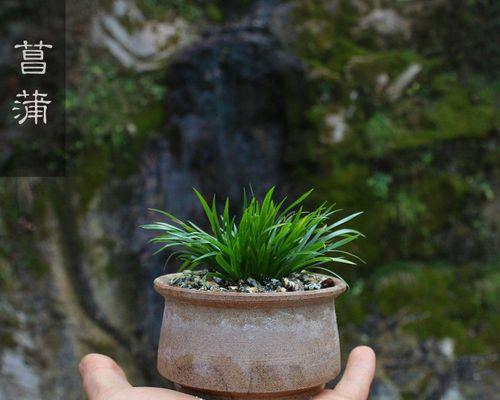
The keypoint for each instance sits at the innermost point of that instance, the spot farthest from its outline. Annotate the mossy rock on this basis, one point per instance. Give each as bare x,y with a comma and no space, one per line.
443,300
364,70
450,110
323,33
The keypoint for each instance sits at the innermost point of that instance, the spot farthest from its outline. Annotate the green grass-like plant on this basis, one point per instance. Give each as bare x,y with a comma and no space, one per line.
269,240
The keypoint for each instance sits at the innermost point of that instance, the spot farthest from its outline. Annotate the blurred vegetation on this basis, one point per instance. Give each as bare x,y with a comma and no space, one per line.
110,106
194,10
423,166
111,112
420,164
435,299
19,219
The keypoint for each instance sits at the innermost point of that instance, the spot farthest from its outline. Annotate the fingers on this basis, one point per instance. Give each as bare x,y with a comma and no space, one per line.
102,377
358,375
357,378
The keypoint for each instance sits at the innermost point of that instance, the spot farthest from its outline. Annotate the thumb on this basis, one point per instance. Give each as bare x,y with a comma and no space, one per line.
357,378
102,377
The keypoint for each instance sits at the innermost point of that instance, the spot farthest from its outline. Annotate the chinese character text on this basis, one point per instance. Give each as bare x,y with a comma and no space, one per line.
33,109
33,58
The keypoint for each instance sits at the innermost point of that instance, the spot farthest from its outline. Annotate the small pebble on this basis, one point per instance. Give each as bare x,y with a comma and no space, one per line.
328,282
298,281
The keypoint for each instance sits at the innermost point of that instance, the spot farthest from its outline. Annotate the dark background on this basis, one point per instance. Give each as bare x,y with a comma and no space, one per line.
389,107
29,150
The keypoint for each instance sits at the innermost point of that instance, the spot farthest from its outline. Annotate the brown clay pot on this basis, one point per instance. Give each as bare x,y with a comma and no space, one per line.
225,345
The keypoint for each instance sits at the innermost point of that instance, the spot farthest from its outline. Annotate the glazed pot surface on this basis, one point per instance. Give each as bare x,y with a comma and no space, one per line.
223,345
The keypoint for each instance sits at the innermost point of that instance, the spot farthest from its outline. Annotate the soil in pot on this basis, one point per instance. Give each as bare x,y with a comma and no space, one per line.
298,281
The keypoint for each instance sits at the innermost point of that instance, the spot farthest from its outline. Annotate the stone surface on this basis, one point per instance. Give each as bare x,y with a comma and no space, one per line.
386,22
136,42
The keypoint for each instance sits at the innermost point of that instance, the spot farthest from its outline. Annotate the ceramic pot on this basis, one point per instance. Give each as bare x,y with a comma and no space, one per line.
225,345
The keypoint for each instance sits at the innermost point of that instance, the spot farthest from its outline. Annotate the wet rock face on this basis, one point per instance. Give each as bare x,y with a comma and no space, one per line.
409,367
135,41
228,101
227,119
386,23
36,352
228,104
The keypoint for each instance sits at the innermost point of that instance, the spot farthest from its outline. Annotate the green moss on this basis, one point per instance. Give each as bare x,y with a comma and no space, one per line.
403,208
323,40
440,105
443,109
351,307
110,115
441,209
388,164
408,208
465,34
158,9
381,132
104,108
443,301
93,166
346,185
380,184
402,285
437,300
460,110
20,224
214,13
6,274
363,71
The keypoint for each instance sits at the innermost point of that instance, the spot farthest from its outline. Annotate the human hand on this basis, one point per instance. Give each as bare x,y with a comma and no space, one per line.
103,379
357,378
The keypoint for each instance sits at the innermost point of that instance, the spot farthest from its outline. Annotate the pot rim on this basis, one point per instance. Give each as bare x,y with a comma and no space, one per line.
237,299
